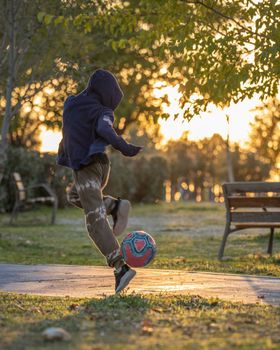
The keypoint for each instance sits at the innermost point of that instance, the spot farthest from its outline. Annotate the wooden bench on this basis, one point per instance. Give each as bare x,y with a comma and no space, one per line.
251,205
22,197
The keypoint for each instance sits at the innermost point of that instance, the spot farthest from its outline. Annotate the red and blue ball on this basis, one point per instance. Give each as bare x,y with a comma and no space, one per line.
138,249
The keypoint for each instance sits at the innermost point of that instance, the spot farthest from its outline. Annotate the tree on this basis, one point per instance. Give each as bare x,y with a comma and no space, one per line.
27,59
265,134
137,69
43,109
218,51
181,159
247,166
54,56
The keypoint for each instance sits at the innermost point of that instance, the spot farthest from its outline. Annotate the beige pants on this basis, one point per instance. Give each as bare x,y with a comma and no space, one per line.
86,193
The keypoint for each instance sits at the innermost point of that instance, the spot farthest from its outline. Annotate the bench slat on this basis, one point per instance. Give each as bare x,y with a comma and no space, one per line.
257,224
258,187
254,202
255,216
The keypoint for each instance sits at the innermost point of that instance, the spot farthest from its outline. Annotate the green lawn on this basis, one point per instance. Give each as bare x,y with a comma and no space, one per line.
137,322
187,235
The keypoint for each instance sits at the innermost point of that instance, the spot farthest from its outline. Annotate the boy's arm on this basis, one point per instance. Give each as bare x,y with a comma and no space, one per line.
105,129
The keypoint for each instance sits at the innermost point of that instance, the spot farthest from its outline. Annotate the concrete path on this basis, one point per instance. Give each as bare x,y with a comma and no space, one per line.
93,281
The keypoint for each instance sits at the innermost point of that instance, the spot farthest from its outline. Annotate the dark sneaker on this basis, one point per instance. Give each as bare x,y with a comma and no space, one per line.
123,277
120,216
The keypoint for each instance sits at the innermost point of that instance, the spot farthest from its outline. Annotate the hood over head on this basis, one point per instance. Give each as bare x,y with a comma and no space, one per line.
106,87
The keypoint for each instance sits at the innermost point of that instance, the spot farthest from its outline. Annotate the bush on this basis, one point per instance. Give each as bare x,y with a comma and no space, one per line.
138,179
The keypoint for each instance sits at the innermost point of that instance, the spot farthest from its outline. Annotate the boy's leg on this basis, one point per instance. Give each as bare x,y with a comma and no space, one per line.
89,187
73,197
88,182
118,208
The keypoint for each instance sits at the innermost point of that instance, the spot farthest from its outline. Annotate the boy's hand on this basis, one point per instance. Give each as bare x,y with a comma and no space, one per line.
132,150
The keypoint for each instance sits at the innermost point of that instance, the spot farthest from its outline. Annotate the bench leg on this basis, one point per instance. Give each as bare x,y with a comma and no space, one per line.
224,240
14,213
270,242
54,212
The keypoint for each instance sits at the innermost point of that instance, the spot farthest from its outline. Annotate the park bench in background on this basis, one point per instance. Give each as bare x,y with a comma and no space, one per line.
23,199
251,205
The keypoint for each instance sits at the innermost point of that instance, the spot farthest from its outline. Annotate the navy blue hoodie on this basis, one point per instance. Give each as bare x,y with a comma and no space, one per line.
88,122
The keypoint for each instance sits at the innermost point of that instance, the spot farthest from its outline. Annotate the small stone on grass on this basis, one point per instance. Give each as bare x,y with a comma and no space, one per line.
56,334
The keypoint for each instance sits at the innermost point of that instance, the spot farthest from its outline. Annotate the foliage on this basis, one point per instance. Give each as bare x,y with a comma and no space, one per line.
55,61
90,49
247,165
29,58
43,109
218,52
140,179
39,80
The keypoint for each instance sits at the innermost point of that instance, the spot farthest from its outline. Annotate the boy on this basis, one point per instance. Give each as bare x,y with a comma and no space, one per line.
87,129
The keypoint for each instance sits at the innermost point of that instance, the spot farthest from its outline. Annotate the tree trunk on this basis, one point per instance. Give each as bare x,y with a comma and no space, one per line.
11,23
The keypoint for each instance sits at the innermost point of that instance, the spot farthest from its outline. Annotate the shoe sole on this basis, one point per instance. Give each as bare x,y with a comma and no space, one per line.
122,217
124,282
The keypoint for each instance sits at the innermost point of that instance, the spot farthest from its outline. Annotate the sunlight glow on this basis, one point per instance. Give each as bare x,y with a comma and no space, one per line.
50,140
209,123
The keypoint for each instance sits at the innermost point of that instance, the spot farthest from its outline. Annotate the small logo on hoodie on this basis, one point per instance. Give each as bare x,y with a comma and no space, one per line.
107,119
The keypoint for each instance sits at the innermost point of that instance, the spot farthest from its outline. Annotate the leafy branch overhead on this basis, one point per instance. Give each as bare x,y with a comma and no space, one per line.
218,51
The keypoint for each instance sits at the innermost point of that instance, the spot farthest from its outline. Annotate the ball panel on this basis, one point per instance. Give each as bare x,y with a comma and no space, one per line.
139,244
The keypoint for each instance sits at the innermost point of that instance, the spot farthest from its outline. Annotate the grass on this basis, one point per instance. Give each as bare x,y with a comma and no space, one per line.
136,322
188,236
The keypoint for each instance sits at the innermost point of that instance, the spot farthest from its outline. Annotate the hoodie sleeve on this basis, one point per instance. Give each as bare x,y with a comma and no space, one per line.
105,129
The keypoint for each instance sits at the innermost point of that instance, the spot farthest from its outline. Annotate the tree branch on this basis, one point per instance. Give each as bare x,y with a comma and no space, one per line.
217,12
26,98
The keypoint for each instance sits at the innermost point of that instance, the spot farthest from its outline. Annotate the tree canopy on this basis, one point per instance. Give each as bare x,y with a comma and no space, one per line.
218,51
215,51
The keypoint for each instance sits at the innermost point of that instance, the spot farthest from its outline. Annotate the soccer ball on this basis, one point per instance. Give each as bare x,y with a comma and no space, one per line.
138,249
